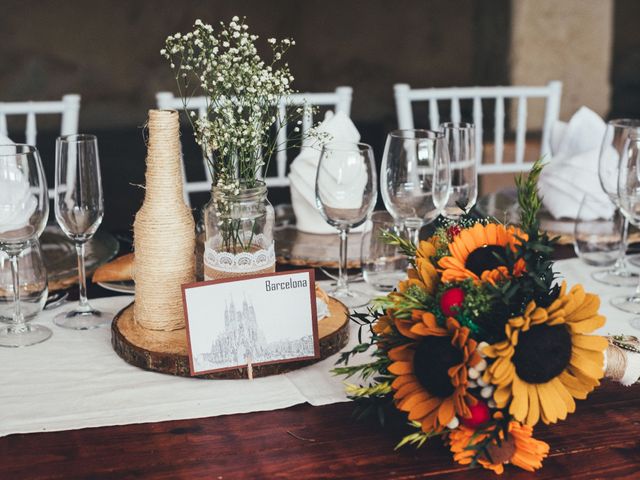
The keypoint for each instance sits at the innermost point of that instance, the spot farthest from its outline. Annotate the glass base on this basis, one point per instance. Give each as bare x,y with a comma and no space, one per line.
83,320
627,303
351,298
29,334
634,260
623,278
635,323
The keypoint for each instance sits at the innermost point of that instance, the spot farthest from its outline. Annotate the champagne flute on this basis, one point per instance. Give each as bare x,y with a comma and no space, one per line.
609,162
461,142
346,192
629,202
24,209
79,210
415,178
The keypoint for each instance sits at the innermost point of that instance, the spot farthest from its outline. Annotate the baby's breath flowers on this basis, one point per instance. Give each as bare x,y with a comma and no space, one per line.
245,96
242,90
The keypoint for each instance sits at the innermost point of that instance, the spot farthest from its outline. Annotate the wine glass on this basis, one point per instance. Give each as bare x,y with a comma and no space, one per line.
629,202
346,192
24,209
415,178
79,210
461,142
597,238
33,283
616,134
383,265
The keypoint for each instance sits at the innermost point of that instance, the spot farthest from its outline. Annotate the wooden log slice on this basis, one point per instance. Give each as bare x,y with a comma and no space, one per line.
166,352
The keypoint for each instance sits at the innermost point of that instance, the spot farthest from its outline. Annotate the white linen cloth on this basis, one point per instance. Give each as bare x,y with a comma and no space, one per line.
572,171
304,167
75,379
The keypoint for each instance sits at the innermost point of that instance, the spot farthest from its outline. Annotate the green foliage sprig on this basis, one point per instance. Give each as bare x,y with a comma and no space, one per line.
528,198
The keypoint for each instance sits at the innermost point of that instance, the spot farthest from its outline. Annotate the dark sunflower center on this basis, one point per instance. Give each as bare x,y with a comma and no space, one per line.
542,353
484,258
433,358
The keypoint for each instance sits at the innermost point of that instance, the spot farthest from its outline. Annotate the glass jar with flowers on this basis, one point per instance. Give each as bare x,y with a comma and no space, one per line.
238,135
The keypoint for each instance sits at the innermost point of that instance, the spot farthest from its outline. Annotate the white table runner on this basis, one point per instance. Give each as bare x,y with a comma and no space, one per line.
75,379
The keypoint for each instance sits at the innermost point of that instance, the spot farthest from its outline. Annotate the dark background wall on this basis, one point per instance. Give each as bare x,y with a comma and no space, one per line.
625,72
108,51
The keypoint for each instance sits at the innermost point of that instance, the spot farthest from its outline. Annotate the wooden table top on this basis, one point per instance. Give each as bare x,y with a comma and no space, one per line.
601,440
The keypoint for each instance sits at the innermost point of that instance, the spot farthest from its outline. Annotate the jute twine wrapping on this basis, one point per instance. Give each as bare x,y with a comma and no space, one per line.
163,231
622,365
616,363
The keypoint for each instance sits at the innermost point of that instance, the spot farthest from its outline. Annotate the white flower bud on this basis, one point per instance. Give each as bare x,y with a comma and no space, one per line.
486,392
481,365
473,373
453,424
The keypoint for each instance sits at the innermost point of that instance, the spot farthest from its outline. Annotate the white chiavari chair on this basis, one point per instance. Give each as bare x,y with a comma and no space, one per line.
68,108
339,100
405,96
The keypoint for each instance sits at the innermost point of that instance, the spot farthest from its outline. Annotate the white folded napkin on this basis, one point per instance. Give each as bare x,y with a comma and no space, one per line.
304,167
572,171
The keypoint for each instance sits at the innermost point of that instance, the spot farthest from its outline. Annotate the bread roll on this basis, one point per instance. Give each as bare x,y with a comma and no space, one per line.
117,270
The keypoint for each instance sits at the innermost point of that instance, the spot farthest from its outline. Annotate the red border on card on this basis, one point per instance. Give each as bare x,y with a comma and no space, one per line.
314,317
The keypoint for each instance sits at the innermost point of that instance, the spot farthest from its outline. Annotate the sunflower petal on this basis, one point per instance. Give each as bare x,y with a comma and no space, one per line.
534,405
446,412
562,392
401,368
549,403
590,342
422,409
410,401
520,403
407,389
402,353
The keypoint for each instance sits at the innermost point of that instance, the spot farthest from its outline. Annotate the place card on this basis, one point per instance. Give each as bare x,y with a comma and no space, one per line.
251,320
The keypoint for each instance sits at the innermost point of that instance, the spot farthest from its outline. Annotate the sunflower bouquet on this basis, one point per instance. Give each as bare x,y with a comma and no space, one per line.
480,342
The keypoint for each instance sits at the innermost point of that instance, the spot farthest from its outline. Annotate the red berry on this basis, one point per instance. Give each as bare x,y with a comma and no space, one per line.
453,231
451,301
479,414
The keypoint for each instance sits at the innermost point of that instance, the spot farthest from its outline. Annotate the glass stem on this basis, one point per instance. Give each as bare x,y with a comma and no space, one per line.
636,294
18,318
82,279
621,262
413,234
343,276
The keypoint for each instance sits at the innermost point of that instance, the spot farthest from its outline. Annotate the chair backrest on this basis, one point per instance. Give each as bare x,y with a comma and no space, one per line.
551,93
340,100
68,107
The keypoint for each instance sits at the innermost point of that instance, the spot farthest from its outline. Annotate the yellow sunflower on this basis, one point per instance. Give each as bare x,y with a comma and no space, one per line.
519,449
425,274
547,360
431,383
473,254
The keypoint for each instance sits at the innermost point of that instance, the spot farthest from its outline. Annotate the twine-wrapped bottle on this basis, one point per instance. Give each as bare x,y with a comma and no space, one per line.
164,230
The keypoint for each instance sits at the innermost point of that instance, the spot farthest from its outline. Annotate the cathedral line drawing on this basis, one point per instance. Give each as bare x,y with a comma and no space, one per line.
243,340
